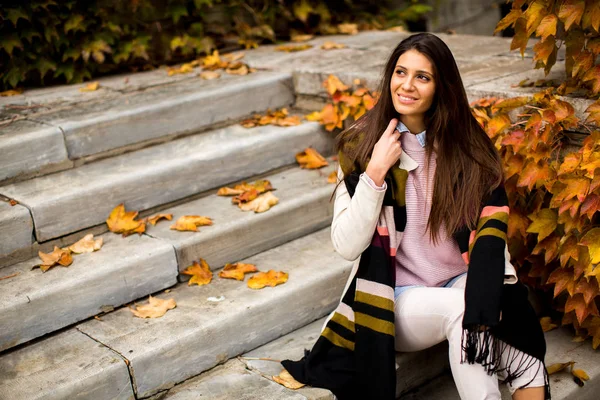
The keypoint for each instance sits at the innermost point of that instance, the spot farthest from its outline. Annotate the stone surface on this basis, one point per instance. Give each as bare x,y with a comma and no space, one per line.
35,303
68,365
28,148
76,199
200,333
16,228
231,381
303,207
169,110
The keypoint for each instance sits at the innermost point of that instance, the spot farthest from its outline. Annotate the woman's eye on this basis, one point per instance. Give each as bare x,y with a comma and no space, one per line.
399,72
423,77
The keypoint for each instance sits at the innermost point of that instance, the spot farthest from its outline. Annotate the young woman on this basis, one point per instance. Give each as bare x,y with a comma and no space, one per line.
422,210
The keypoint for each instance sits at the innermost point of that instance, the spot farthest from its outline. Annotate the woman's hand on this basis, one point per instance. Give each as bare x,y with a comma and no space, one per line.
386,153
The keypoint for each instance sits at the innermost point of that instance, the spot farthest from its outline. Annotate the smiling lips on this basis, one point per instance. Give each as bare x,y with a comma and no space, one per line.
406,99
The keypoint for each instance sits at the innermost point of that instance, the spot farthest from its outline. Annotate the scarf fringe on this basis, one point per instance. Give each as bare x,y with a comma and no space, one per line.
481,347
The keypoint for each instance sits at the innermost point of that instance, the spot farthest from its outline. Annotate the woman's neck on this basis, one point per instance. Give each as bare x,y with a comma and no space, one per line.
414,123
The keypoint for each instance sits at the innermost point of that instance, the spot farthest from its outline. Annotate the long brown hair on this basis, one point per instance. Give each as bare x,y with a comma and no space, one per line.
468,164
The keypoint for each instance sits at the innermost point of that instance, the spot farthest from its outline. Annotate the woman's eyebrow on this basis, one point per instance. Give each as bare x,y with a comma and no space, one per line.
419,71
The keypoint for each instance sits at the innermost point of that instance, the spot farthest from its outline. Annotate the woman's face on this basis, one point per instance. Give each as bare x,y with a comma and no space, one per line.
412,85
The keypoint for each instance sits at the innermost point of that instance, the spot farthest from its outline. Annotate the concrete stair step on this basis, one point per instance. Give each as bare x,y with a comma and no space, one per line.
35,303
51,139
200,333
71,200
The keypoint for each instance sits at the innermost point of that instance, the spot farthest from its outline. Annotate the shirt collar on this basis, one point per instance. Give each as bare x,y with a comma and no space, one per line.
420,136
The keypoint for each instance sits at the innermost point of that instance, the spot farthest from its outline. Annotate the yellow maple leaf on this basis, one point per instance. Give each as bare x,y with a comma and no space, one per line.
121,221
155,218
311,159
260,204
332,178
190,223
271,278
90,87
292,48
87,244
329,45
544,223
592,240
348,29
200,272
286,379
183,69
260,186
245,197
13,92
237,271
57,257
155,309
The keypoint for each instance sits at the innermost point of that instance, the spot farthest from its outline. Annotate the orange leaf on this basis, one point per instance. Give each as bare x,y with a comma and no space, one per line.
332,178
570,12
237,271
155,309
121,221
549,246
576,186
245,197
547,27
260,204
508,20
543,50
155,218
547,324
569,164
208,75
86,245
13,92
288,48
591,16
510,104
533,173
311,159
260,186
581,374
554,368
348,29
590,205
544,223
58,256
592,240
582,310
583,62
594,110
534,15
271,278
517,223
568,249
588,287
333,84
90,87
497,124
286,379
516,139
593,75
329,45
190,223
200,272
514,165
563,279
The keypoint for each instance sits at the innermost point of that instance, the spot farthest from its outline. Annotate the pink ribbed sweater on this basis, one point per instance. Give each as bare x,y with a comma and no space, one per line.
418,260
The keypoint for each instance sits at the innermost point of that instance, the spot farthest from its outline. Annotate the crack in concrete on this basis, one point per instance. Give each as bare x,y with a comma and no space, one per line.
125,360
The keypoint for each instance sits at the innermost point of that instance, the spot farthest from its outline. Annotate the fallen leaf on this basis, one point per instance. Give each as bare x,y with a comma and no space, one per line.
311,159
190,223
554,368
260,186
13,92
271,278
581,374
284,378
155,309
278,117
200,272
398,28
260,204
233,57
13,202
237,271
547,324
292,48
245,197
332,178
87,244
155,218
242,69
348,29
9,276
90,87
183,69
121,221
208,75
97,318
58,256
301,38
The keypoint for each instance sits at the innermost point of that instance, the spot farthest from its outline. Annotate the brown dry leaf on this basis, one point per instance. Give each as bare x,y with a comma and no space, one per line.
237,271
278,117
271,278
87,244
581,374
284,378
183,69
90,87
13,202
155,218
13,92
242,69
332,178
190,223
301,38
260,204
291,48
547,324
260,186
201,273
348,29
311,159
554,368
332,45
208,75
233,57
155,309
121,221
57,257
245,197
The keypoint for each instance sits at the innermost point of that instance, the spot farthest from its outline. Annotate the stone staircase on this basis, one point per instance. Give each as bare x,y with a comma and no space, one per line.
160,143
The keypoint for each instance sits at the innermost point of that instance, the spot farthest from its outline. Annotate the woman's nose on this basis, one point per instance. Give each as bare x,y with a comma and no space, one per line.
407,84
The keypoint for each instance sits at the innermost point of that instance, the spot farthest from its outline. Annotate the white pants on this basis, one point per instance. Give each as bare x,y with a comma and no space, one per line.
426,316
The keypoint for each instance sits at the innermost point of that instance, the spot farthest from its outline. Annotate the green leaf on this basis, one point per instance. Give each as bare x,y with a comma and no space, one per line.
28,34
9,42
66,70
44,65
15,14
200,3
114,27
302,10
178,11
50,32
71,53
75,23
